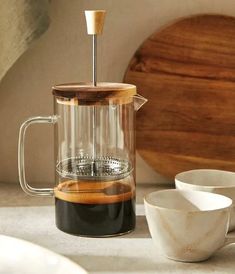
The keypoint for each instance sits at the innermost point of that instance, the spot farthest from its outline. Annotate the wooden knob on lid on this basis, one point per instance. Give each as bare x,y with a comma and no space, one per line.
95,21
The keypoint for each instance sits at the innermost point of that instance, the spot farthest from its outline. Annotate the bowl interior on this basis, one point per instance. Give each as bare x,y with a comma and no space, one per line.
187,200
207,177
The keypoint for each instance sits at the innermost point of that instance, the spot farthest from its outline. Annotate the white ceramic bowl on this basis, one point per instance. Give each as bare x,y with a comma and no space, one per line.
188,226
209,180
22,257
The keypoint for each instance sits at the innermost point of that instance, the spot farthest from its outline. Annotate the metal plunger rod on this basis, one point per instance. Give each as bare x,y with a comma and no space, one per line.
94,59
95,22
94,79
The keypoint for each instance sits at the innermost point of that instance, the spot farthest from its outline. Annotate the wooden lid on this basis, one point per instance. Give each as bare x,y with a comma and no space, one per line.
88,92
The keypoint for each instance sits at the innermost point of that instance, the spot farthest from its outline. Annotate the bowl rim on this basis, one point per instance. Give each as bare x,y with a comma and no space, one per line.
229,200
177,180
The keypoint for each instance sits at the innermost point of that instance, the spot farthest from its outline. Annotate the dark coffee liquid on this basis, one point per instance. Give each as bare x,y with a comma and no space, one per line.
95,219
95,214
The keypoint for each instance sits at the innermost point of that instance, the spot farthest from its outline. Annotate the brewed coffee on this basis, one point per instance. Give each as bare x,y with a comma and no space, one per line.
95,208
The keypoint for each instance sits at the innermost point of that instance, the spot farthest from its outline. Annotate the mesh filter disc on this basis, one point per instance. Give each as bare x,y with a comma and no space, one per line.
102,168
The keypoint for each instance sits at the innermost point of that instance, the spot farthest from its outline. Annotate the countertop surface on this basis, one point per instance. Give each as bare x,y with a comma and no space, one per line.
32,219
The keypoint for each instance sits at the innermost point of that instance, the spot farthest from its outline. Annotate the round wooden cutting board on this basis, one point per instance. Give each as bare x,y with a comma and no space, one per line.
187,72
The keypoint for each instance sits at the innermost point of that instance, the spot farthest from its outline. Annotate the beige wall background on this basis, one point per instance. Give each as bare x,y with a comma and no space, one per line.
63,54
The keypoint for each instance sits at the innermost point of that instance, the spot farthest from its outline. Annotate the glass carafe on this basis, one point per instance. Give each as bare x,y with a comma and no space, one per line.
94,158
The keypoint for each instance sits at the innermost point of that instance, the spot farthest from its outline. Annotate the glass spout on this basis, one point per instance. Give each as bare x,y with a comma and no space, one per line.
139,101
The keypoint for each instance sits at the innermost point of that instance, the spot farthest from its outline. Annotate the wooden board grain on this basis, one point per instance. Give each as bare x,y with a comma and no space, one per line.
187,72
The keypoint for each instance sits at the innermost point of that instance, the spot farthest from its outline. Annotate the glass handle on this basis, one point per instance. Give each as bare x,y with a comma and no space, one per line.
21,161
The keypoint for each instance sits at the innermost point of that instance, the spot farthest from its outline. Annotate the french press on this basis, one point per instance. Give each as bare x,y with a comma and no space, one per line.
95,152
